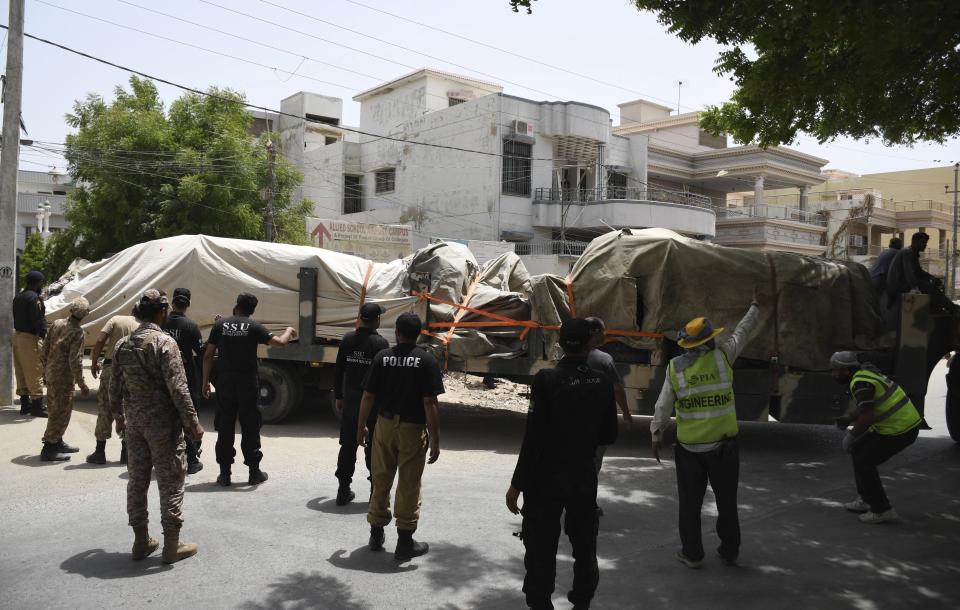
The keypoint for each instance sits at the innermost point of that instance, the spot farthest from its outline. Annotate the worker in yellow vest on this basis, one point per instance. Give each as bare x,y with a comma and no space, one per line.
699,386
885,422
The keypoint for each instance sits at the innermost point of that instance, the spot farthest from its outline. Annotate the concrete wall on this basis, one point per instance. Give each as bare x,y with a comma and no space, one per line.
538,264
684,219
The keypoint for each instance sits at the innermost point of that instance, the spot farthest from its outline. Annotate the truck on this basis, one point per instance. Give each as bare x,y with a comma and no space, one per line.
303,371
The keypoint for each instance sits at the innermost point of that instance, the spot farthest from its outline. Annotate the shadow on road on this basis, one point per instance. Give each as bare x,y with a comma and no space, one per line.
11,415
33,461
98,563
365,560
213,486
328,505
305,591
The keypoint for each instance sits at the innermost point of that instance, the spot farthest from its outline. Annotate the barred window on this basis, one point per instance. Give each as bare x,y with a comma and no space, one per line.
386,181
453,101
352,195
616,185
516,168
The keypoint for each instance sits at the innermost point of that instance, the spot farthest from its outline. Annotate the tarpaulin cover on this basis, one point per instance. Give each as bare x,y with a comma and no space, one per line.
216,269
656,280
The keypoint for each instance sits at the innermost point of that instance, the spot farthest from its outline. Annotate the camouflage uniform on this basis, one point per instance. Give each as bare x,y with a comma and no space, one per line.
148,388
117,327
63,360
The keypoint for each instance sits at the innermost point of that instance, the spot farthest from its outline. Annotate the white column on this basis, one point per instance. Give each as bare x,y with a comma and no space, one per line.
804,197
758,191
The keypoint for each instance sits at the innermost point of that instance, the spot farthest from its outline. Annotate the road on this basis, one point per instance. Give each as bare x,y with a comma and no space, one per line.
65,542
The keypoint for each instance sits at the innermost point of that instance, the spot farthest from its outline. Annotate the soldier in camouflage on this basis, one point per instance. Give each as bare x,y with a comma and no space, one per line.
151,402
62,356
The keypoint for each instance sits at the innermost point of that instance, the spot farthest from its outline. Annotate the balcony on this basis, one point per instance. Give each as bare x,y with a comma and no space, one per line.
620,206
773,212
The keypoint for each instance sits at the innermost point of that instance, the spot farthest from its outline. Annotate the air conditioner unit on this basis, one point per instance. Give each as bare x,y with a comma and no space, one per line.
519,127
857,241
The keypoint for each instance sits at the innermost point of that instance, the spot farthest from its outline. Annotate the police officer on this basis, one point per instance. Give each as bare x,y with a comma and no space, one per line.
356,353
151,403
403,384
238,388
885,422
187,335
63,360
30,327
115,329
699,385
572,412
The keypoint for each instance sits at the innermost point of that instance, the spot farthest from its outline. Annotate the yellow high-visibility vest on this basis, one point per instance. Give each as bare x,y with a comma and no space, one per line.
894,409
705,405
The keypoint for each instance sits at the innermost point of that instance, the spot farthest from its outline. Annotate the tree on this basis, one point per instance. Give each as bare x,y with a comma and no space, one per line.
145,173
885,70
33,257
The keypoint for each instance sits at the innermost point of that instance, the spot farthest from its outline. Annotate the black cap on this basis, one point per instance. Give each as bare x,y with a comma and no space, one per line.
409,325
247,302
574,334
181,296
370,311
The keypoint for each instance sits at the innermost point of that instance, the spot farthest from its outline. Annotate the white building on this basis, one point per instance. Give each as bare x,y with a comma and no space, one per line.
456,157
40,200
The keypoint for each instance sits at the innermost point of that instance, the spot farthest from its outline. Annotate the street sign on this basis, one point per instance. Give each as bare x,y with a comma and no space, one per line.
376,242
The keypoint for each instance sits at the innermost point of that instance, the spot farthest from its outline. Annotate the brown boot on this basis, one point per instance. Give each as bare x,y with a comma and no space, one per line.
173,549
143,544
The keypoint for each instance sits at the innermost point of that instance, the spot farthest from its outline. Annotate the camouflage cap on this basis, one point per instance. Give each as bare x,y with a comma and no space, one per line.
152,299
79,308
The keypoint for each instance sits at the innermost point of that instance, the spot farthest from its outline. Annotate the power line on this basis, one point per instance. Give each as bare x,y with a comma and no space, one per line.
512,53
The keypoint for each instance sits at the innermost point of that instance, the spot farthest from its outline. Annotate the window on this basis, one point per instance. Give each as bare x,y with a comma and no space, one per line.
616,185
352,195
516,168
316,118
453,101
386,181
328,140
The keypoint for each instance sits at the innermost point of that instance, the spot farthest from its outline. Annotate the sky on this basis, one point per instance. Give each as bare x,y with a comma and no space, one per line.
601,52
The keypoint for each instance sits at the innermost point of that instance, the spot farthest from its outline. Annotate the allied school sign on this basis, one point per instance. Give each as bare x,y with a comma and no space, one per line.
381,243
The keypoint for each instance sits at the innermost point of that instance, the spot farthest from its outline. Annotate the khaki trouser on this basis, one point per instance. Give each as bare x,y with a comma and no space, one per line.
104,416
397,446
29,369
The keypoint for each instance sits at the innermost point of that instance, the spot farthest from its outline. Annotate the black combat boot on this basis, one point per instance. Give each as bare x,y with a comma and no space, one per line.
407,547
99,456
24,405
256,477
376,538
62,447
345,496
224,479
123,452
37,408
49,453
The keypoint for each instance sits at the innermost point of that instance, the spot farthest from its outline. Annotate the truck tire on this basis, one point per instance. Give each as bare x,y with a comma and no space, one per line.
280,392
952,403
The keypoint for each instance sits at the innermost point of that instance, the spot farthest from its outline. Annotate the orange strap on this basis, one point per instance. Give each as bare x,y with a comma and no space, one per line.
462,309
363,290
570,299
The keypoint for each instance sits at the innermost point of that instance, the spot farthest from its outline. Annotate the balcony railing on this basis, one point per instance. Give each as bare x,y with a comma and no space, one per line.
924,205
772,212
572,248
623,192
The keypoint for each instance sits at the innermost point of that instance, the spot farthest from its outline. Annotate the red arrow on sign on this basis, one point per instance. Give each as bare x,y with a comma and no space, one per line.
320,231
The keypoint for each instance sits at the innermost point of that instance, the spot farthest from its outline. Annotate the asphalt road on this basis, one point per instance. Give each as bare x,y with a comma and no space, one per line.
65,543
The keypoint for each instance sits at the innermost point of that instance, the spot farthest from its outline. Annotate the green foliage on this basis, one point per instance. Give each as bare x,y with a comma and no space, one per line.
34,256
884,70
146,173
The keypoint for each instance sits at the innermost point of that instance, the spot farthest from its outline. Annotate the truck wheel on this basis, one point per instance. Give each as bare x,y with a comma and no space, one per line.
280,392
952,404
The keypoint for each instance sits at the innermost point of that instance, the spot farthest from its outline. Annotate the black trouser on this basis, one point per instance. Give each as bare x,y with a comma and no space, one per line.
347,459
237,398
721,467
541,535
870,451
193,447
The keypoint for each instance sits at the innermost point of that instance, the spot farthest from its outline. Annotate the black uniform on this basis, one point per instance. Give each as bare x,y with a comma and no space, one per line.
572,411
187,335
238,388
353,361
29,313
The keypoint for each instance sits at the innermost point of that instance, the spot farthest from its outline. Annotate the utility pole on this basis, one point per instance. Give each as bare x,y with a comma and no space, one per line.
268,232
12,92
952,258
